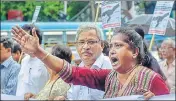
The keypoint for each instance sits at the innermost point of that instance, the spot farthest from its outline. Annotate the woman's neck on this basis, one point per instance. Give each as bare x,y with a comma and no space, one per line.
126,73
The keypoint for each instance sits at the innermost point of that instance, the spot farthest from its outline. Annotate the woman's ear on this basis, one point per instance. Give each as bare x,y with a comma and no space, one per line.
102,44
9,49
135,52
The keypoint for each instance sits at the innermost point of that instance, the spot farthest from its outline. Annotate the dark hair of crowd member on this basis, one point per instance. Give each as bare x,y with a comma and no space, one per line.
7,43
133,39
16,47
62,52
29,27
106,47
138,29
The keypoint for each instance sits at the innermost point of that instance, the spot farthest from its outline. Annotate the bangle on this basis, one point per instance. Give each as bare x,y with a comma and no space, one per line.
45,56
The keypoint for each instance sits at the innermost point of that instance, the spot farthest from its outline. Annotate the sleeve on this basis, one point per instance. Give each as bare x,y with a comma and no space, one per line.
91,78
158,86
11,86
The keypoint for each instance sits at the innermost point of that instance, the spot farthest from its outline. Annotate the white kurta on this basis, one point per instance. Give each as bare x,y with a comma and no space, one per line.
32,77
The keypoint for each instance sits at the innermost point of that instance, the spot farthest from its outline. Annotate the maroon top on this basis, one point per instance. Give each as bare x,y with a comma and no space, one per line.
106,80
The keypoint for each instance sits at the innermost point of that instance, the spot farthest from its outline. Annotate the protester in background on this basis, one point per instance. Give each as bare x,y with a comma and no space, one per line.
33,74
89,48
149,60
16,53
126,55
55,85
9,68
105,48
168,65
160,56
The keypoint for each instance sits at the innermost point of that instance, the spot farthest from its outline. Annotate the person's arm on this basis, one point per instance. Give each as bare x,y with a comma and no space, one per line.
158,86
77,76
91,78
30,44
11,86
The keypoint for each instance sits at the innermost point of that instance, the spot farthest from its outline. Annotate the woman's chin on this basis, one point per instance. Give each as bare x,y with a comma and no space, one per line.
116,67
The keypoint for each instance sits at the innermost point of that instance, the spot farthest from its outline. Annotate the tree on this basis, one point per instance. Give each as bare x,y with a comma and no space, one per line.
50,9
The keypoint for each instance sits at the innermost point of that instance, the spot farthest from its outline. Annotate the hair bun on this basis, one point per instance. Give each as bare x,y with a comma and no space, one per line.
146,61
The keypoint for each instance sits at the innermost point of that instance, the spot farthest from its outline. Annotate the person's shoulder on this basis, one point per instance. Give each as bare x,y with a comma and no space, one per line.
26,57
146,71
106,59
14,64
107,62
15,67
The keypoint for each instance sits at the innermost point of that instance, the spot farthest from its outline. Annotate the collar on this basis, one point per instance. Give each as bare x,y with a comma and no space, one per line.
165,63
7,62
98,63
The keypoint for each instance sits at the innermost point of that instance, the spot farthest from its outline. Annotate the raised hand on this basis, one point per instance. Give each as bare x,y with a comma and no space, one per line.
29,43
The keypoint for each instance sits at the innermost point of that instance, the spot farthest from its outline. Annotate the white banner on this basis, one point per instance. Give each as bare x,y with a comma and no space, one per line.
111,14
160,17
167,97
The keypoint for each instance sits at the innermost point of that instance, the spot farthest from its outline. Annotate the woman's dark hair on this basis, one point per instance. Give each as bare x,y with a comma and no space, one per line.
62,52
133,39
139,29
16,47
29,27
149,61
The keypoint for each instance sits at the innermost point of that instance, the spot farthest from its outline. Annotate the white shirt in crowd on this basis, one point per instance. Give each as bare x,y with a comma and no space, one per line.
169,73
77,92
32,77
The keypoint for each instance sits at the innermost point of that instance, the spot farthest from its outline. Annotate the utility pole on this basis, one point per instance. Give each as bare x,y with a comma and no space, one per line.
65,7
92,3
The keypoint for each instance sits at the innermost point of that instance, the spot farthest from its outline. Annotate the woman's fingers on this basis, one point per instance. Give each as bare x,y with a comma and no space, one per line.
17,40
26,96
34,33
15,34
148,95
15,29
21,31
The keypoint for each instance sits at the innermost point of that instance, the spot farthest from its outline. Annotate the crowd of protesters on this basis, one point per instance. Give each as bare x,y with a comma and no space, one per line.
121,67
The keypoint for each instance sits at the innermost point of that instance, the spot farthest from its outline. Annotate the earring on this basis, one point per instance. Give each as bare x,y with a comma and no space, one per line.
134,56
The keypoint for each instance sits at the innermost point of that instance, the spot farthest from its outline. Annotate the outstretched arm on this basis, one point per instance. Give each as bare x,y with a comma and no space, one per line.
78,76
30,45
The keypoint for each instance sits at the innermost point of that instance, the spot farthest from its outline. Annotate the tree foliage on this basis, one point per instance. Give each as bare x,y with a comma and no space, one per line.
49,11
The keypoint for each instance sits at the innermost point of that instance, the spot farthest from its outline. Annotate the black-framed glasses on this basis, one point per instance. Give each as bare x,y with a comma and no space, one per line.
88,42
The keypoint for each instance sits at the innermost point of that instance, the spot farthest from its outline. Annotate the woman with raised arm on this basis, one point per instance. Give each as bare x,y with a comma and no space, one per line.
128,76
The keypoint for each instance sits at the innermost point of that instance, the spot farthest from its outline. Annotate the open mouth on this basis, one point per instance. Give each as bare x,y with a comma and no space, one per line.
114,61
